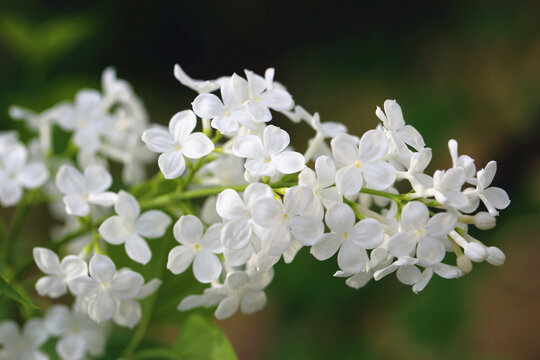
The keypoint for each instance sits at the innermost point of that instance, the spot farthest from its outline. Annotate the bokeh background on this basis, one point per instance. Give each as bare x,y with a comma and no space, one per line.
468,70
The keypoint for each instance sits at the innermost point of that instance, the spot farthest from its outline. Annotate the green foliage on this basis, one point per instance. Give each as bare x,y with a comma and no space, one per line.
9,291
41,44
202,339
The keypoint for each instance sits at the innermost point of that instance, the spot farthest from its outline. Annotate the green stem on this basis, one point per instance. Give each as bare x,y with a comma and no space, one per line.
16,224
150,303
385,194
198,193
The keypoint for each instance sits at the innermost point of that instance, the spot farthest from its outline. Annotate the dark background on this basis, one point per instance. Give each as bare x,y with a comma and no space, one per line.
467,70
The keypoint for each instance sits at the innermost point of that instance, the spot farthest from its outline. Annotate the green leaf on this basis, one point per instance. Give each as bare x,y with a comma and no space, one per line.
202,339
10,292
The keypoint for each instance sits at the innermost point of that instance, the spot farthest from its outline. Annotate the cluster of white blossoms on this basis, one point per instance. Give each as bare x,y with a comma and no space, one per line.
240,197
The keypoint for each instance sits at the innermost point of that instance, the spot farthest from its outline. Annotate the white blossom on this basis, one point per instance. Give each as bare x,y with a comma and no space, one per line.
130,226
197,248
352,239
78,334
81,190
58,274
176,143
25,345
244,291
417,228
16,173
493,197
267,156
238,227
105,287
400,135
362,161
283,219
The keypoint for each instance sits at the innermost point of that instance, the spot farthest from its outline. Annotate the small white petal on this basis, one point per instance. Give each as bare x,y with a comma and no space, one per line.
197,145
152,224
326,247
101,307
288,162
180,257
352,258
227,307
127,284
47,261
97,179
127,206
408,275
206,267
158,140
349,180
188,230
137,249
69,180
182,124
172,164
373,146
102,268
249,146
208,106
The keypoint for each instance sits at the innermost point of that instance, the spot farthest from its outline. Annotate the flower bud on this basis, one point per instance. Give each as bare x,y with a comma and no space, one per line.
464,264
495,256
484,221
476,251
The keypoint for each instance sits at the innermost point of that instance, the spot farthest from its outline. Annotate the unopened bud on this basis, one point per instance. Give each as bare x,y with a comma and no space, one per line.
476,251
495,256
464,264
484,221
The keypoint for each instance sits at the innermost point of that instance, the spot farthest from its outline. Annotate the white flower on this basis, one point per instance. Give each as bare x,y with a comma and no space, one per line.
78,334
87,120
463,161
399,133
238,227
266,157
263,96
362,161
200,86
494,198
244,292
128,311
25,345
225,170
351,239
418,228
104,287
81,190
16,174
282,219
176,143
58,273
130,226
320,182
445,186
196,248
227,115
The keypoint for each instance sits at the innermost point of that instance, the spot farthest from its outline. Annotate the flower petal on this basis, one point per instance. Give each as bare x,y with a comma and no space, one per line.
206,267
172,164
152,224
158,140
197,145
180,257
137,249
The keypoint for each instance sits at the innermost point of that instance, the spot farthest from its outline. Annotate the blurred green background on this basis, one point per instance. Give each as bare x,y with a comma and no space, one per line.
468,70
